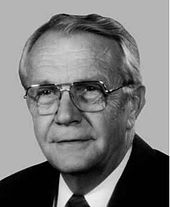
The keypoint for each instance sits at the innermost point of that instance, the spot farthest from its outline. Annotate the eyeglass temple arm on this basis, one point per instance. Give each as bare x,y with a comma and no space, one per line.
123,85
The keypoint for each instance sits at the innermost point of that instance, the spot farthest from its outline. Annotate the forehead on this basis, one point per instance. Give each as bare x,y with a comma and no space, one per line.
56,57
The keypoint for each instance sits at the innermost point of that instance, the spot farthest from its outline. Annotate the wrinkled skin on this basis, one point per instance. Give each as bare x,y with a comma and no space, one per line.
75,141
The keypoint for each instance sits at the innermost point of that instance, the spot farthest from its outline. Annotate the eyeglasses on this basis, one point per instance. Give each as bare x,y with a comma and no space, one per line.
88,96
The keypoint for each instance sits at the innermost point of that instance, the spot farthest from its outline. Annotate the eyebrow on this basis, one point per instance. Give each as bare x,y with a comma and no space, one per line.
94,78
40,82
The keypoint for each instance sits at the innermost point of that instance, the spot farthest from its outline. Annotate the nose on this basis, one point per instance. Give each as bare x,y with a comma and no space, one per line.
67,113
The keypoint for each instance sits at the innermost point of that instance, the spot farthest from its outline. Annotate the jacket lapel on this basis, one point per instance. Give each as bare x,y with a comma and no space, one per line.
132,184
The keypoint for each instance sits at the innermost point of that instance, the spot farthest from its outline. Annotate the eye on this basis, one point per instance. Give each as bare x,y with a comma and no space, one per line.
45,92
88,92
91,92
46,95
84,88
91,88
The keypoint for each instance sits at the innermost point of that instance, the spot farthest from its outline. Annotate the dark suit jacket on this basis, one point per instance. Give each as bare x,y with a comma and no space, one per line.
144,182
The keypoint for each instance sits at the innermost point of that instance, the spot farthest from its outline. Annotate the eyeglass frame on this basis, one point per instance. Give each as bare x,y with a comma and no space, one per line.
103,86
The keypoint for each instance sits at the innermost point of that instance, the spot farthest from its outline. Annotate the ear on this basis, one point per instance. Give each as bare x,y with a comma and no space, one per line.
136,103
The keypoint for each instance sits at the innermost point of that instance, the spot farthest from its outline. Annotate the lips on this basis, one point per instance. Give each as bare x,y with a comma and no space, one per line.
74,140
71,138
70,135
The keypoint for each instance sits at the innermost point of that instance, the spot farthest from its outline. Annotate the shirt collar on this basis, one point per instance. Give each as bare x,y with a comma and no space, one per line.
99,196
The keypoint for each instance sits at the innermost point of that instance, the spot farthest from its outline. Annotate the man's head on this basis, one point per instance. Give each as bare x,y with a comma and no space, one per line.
87,124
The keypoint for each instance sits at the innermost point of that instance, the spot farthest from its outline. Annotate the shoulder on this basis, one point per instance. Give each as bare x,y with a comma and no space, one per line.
147,174
28,174
150,164
28,181
144,154
144,181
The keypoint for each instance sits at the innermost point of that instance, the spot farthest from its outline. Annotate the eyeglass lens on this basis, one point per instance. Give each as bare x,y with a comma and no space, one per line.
85,96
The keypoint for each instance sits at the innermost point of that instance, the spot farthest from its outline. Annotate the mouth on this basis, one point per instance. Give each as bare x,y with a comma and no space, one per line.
74,141
74,144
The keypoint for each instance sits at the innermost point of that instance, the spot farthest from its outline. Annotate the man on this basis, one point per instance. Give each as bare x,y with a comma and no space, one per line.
84,92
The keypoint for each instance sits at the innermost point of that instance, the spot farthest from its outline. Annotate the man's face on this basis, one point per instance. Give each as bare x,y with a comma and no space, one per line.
73,140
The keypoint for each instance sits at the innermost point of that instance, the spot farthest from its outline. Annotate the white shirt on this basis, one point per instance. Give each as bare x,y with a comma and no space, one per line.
99,196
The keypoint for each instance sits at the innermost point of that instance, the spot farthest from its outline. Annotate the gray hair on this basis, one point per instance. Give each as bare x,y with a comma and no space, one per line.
93,23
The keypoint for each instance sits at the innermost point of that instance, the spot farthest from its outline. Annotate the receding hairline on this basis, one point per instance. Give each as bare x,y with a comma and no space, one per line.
71,24
94,24
99,40
98,47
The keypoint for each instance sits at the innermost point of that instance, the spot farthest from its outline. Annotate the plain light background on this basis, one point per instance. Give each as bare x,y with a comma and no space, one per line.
146,20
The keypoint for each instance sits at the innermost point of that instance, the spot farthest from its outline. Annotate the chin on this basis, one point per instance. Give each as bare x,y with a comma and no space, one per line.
72,166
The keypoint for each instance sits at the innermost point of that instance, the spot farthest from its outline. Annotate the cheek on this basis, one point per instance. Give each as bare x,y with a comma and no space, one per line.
102,127
41,127
110,127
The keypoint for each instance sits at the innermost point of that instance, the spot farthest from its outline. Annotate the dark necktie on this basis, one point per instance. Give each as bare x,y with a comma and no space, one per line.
77,201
